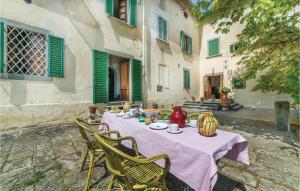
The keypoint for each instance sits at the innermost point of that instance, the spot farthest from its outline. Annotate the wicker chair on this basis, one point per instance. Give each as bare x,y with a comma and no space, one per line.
133,172
92,150
193,116
165,112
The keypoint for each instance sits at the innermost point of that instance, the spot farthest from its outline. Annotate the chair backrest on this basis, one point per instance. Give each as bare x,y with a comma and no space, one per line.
114,157
193,116
84,131
166,111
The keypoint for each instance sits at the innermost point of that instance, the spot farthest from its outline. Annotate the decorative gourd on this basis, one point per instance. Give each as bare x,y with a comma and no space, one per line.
203,115
208,126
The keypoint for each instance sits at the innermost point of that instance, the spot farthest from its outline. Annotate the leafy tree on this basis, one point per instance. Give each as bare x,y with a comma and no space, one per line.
268,44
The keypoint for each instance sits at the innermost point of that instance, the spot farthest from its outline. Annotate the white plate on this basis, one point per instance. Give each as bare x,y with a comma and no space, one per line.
158,126
175,132
126,117
120,115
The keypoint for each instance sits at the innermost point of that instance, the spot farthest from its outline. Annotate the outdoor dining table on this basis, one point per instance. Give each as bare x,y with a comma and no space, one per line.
193,157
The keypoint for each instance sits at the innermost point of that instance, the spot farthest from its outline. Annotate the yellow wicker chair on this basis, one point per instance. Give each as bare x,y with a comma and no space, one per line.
133,172
193,116
93,151
165,112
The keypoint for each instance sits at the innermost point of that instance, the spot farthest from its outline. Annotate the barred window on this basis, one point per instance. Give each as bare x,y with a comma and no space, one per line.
26,52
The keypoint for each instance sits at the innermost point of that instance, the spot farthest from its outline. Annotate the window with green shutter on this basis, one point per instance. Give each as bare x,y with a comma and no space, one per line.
238,83
136,80
186,79
1,47
232,48
132,13
124,10
55,56
186,43
162,29
214,47
100,77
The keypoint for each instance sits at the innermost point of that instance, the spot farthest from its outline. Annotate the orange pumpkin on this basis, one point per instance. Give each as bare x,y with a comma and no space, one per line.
208,126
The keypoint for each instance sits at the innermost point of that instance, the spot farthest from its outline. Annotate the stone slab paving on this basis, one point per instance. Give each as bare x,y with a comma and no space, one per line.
48,158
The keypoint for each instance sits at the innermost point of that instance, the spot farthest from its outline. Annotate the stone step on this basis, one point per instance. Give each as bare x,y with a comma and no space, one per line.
236,108
202,104
202,107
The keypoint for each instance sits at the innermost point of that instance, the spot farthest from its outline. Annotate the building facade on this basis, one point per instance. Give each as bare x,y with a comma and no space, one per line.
58,57
218,68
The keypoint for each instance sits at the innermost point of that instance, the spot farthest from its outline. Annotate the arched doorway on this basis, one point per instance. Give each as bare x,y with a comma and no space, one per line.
111,85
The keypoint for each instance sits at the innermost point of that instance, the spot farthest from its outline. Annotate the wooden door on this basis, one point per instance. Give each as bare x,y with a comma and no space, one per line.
207,88
124,82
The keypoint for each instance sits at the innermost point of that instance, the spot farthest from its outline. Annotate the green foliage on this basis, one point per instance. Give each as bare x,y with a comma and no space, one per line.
224,90
35,178
268,46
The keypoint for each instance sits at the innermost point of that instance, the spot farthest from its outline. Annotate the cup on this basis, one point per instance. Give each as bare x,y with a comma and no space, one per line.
193,123
173,127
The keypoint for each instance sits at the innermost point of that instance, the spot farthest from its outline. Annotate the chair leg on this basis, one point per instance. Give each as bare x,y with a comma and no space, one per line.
111,183
84,156
90,172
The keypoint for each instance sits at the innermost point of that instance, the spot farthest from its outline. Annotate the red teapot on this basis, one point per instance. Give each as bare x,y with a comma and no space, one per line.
178,116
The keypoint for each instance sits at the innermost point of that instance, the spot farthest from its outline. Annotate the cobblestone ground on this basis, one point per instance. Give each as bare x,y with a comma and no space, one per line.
48,158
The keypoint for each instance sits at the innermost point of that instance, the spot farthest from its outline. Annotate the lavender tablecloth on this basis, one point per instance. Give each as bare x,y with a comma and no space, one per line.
193,157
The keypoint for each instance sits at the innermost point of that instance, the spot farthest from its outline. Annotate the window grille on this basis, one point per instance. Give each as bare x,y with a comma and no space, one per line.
26,52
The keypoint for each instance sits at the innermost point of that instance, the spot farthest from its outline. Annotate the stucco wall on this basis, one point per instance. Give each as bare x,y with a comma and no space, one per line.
85,26
226,64
170,54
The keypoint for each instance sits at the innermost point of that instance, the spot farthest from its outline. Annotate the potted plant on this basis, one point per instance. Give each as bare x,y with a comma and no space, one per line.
225,102
202,99
193,98
92,109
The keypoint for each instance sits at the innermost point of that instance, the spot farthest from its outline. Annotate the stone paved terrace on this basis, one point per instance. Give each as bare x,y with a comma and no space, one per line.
48,158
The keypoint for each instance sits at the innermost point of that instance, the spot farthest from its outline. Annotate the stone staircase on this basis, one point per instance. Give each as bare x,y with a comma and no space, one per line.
210,105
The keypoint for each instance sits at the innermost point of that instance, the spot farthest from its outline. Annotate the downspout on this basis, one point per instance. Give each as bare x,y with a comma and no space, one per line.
144,43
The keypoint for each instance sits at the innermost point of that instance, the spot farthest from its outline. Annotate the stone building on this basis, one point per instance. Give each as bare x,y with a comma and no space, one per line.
60,56
218,68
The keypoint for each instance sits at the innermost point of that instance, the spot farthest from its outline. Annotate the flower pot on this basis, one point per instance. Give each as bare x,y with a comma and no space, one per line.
92,109
225,102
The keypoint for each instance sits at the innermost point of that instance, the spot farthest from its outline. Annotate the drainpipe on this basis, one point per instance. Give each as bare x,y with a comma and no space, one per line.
144,44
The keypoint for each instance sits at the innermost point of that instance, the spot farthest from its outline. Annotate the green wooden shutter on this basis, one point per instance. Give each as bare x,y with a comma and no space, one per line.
100,77
1,47
133,13
110,7
190,45
55,56
136,80
213,47
186,79
160,28
165,30
182,40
